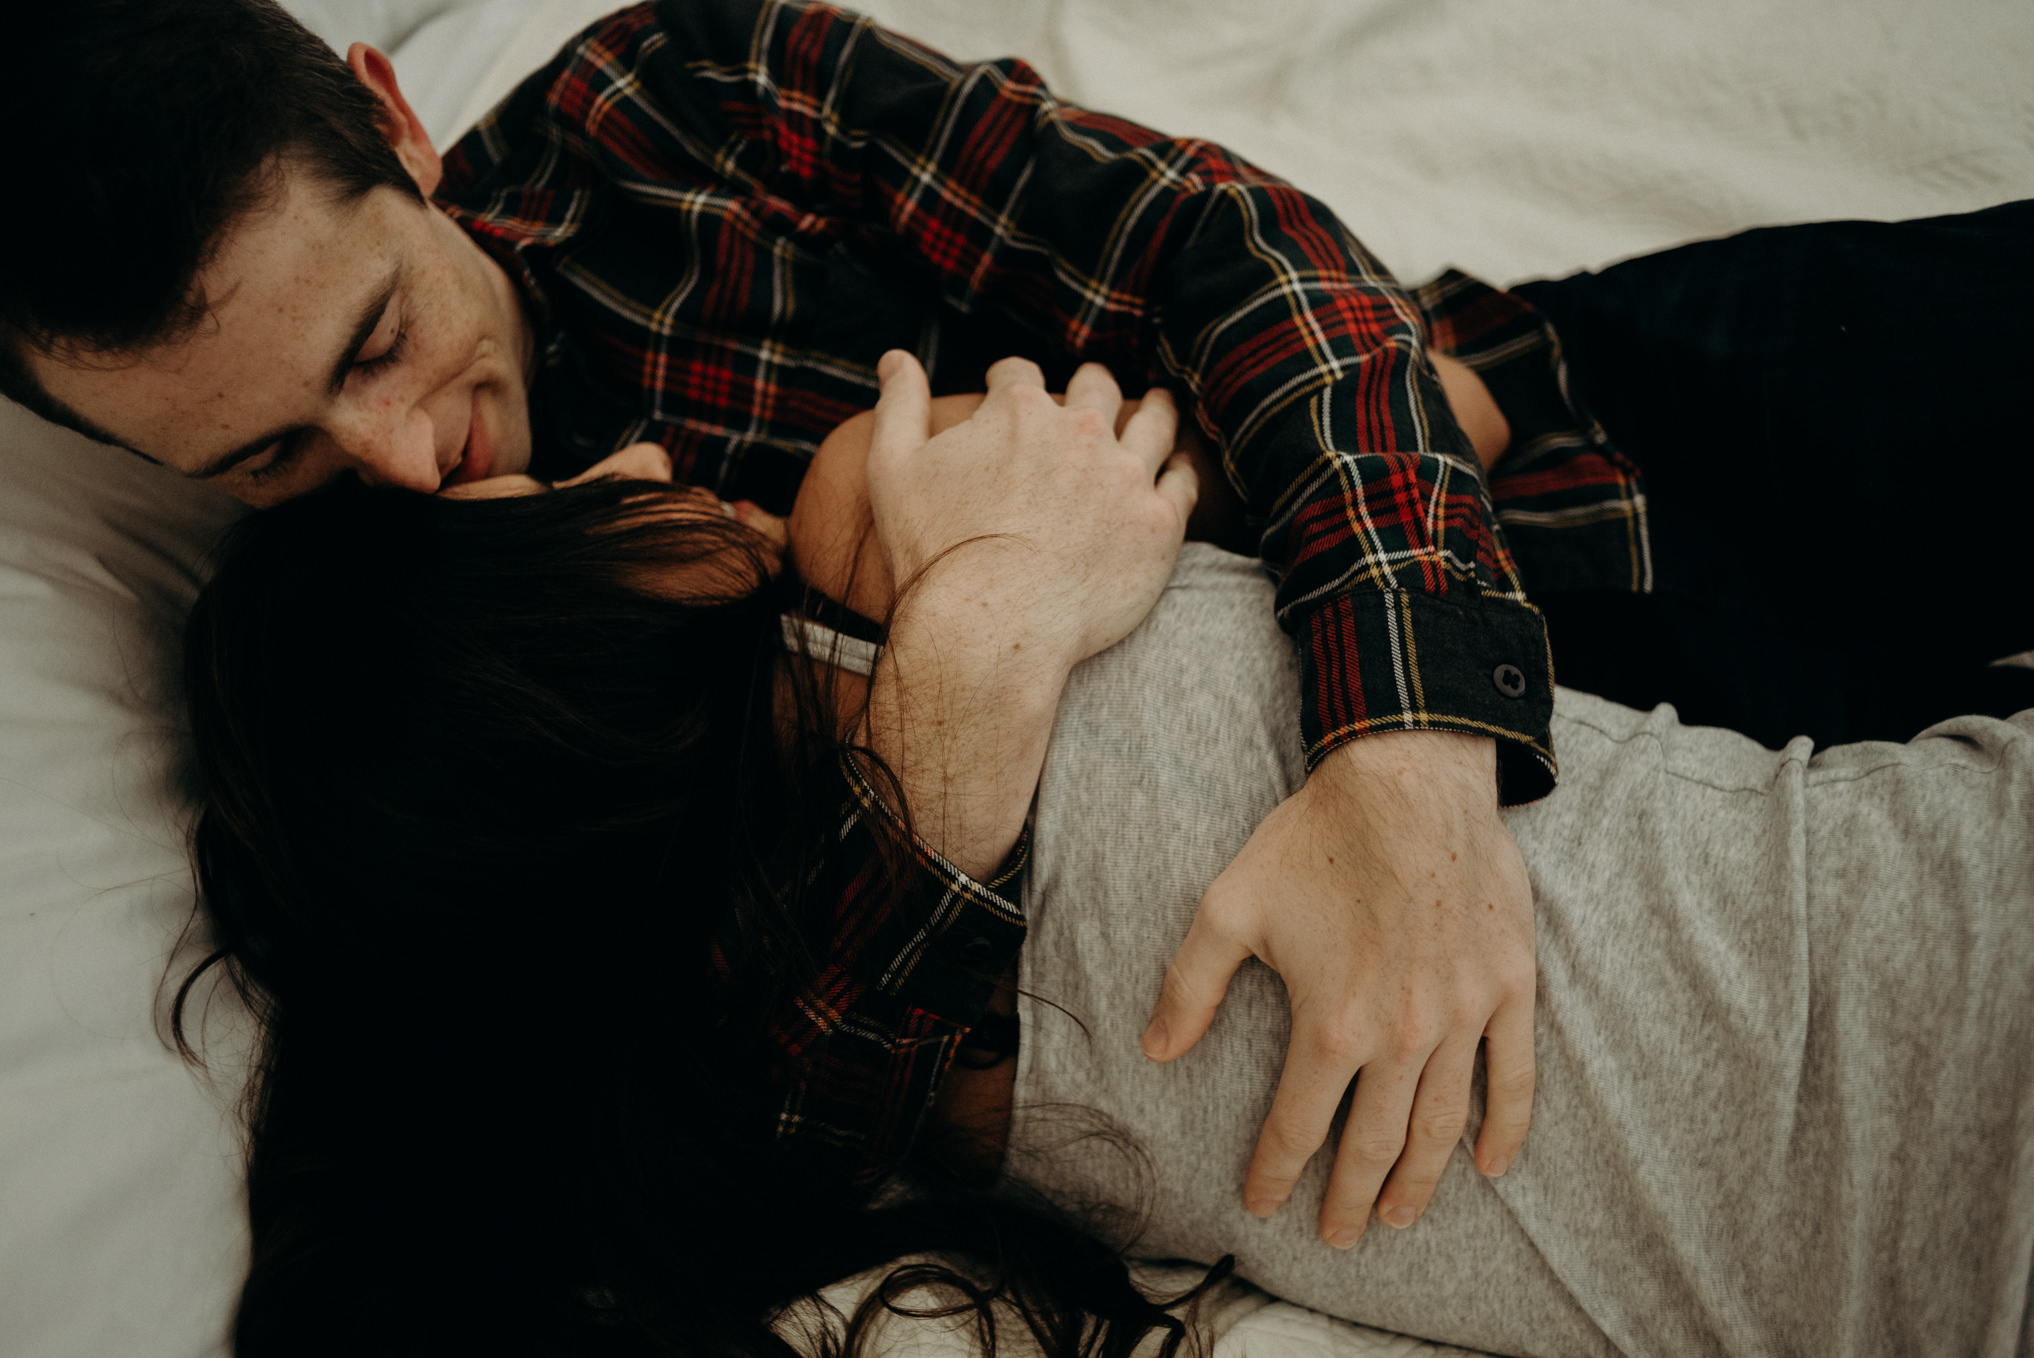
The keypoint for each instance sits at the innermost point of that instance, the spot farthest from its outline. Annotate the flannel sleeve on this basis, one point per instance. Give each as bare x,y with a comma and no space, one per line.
914,949
1572,505
1174,259
777,129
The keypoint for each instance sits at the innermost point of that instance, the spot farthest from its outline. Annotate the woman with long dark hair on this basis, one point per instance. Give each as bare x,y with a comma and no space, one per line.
508,841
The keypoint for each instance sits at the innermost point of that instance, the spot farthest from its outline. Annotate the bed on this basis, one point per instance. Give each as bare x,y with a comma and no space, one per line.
1510,140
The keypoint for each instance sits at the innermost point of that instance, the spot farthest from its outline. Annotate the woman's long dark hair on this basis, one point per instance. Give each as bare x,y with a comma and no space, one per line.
509,811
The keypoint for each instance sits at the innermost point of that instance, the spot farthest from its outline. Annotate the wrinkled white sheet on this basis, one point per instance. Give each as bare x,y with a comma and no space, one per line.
1240,1320
1512,140
1527,140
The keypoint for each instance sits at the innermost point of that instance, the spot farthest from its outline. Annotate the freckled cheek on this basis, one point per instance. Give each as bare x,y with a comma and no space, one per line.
459,300
444,354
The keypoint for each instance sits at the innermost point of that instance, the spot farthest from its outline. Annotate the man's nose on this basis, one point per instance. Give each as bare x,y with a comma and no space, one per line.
392,448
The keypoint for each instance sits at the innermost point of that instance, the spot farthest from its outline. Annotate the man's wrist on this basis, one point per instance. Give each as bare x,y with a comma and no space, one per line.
1448,764
967,630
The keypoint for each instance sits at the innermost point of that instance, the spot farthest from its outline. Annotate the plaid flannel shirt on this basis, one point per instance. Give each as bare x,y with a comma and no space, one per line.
722,214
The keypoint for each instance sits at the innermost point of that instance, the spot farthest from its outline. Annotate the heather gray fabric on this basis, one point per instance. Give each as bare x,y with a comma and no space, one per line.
1785,1034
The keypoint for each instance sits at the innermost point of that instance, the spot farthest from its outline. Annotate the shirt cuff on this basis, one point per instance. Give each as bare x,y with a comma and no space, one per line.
1395,660
966,933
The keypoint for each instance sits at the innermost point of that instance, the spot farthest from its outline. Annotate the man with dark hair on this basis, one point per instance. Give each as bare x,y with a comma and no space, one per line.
702,226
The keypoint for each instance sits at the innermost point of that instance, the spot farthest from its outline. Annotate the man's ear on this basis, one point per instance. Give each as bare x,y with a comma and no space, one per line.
406,135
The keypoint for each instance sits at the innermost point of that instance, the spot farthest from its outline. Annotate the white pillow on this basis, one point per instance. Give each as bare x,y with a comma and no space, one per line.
382,23
122,1228
118,1172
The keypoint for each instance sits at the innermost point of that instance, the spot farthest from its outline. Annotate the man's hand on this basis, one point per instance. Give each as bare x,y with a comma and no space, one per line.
1393,902
1071,529
1042,536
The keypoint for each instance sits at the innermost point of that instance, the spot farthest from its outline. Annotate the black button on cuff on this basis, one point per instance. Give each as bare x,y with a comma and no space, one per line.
1510,680
976,951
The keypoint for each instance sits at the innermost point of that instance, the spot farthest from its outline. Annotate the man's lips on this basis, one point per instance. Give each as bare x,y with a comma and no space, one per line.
476,459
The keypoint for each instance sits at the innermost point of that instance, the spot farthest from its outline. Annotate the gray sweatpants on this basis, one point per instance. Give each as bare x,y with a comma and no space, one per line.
1785,1030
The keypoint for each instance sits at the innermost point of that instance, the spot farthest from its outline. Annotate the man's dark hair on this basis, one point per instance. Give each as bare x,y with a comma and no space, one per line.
140,131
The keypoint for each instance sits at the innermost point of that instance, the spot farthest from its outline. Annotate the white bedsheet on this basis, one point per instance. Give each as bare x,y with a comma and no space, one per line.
1512,140
1527,140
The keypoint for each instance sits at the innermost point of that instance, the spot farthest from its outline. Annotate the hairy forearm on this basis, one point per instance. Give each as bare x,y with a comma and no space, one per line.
960,717
956,713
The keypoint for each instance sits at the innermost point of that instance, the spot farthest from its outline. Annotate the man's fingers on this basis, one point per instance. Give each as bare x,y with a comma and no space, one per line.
1508,1087
1317,1072
1014,372
904,408
1180,484
1093,387
1194,986
1439,1113
1152,431
1372,1140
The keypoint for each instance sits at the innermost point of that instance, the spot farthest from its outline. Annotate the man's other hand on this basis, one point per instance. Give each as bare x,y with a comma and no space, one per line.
1056,530
1392,900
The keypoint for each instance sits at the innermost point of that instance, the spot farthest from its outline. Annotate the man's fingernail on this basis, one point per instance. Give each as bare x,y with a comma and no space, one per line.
1260,1207
1346,1239
1153,1041
1398,1217
1499,1166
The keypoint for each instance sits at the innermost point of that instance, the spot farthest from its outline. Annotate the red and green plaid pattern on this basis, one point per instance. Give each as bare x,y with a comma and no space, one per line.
914,960
1572,506
722,214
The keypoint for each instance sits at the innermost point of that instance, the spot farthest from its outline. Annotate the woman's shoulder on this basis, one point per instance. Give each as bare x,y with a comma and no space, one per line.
833,537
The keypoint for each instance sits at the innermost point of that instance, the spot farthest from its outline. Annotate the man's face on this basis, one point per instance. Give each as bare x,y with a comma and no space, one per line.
370,336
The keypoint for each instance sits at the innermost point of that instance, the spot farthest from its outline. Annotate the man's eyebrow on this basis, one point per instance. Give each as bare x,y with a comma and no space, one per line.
370,317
